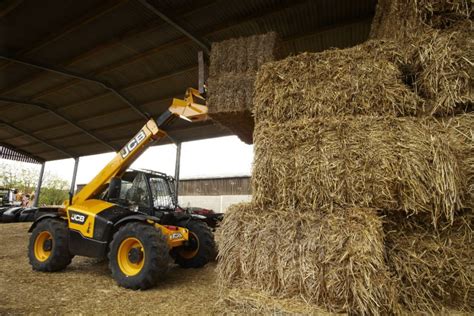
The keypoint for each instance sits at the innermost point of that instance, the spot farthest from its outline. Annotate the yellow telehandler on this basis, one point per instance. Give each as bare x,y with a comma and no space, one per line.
105,218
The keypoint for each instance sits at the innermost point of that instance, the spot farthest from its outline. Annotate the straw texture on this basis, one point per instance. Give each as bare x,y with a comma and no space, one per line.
405,164
246,302
334,259
434,268
444,69
335,82
401,19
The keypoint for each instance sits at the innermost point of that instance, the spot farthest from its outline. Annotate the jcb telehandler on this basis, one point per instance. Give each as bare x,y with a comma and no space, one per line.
96,223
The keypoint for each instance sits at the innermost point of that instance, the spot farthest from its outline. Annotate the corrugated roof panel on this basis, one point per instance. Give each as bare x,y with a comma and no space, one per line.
123,17
13,73
29,89
164,88
153,66
31,17
118,116
15,112
340,37
81,90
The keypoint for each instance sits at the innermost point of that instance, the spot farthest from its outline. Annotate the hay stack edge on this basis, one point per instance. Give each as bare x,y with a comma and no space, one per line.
363,179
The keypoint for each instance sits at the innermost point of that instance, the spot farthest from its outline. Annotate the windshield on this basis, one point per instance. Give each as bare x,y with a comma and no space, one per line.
162,197
135,192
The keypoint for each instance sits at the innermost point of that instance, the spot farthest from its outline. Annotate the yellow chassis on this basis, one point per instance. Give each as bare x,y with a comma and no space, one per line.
175,236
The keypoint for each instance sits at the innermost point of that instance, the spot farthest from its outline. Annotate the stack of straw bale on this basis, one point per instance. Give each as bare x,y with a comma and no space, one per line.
232,72
363,180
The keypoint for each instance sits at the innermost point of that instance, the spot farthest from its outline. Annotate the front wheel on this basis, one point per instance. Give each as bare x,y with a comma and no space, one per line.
138,256
200,249
48,249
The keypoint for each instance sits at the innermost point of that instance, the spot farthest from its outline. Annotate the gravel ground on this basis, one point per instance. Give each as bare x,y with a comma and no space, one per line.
86,286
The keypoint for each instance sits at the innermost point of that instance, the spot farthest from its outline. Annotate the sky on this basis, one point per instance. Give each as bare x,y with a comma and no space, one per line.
214,157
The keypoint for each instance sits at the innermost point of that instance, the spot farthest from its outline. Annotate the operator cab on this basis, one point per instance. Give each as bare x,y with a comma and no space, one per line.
146,192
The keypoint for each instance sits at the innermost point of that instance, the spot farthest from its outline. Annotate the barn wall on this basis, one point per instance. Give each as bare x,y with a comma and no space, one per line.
215,187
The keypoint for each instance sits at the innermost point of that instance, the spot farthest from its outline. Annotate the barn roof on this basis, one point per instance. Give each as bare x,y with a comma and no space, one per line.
80,77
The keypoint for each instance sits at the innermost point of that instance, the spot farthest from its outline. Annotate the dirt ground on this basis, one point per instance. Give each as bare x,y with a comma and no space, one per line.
86,286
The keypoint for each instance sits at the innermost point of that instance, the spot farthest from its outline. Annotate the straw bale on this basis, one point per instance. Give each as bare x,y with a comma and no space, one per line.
444,66
401,164
229,93
230,100
243,54
232,72
402,19
334,260
434,268
362,80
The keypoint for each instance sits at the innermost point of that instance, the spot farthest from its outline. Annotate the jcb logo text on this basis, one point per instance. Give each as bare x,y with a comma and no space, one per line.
77,218
131,145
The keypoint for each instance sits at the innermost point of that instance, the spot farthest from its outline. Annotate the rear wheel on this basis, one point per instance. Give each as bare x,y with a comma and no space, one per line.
48,249
138,256
200,249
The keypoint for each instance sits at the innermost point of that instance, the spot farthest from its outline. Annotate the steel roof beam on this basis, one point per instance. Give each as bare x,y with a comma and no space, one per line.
55,113
39,140
202,43
79,77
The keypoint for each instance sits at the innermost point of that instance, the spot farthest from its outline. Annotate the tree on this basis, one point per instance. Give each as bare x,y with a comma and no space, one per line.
24,178
55,191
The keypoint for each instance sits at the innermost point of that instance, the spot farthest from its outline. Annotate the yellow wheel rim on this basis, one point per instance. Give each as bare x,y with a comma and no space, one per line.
131,256
187,253
43,246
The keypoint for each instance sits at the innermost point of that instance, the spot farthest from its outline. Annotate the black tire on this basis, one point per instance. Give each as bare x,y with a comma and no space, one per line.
59,256
154,259
195,255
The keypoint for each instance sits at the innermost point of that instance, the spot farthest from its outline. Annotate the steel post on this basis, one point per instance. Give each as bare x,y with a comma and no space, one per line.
74,174
38,187
177,166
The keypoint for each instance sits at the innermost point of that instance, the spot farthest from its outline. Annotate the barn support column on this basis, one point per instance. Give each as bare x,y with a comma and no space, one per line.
177,166
38,187
74,174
